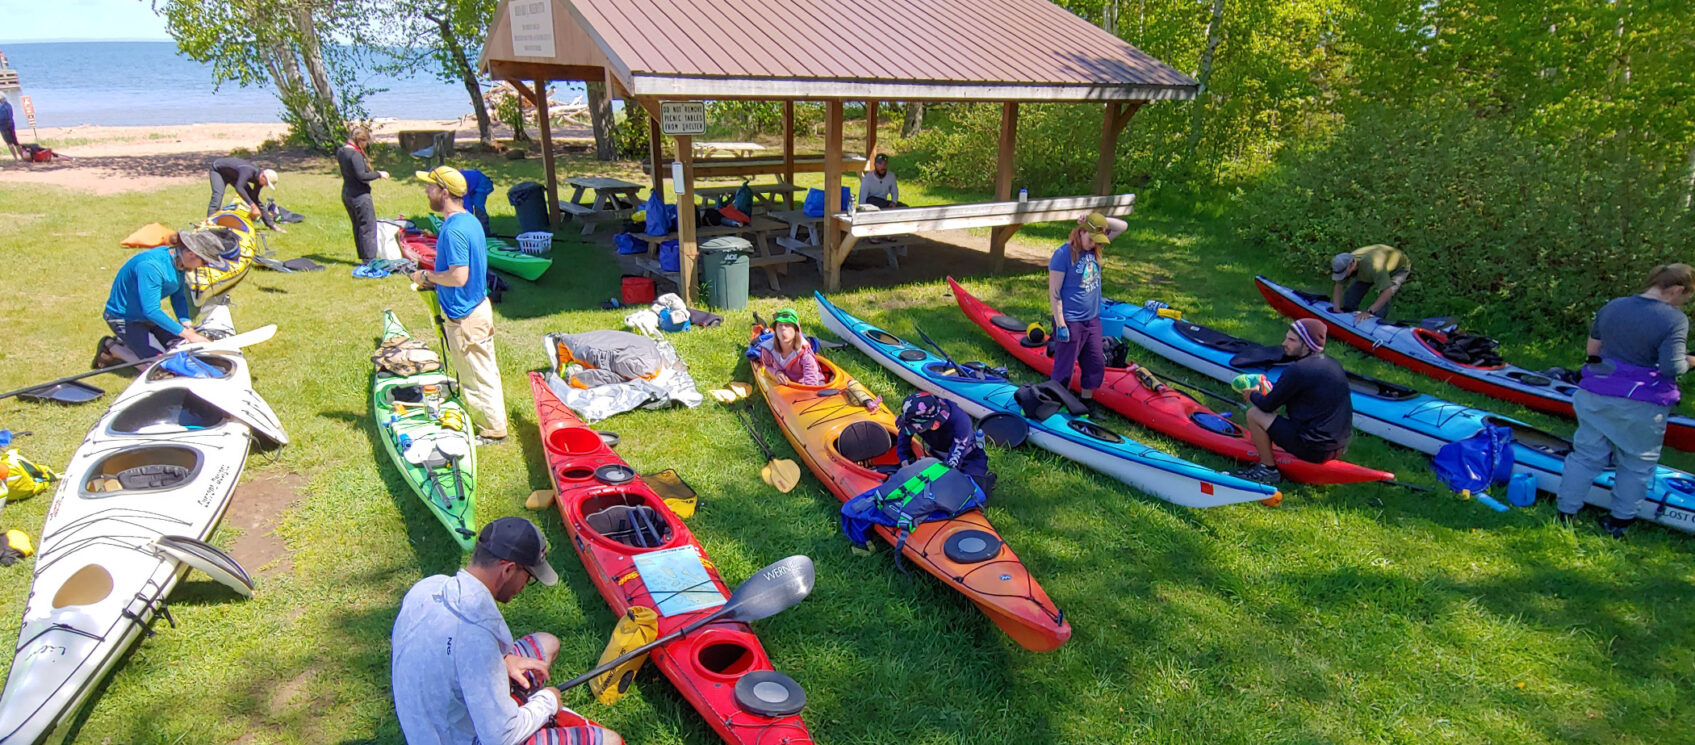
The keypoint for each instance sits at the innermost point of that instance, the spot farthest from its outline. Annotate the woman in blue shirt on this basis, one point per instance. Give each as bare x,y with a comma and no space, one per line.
1074,294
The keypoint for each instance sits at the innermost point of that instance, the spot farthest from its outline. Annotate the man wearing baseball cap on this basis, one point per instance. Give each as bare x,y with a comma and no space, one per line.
1380,266
1318,408
135,311
455,664
460,277
878,187
247,179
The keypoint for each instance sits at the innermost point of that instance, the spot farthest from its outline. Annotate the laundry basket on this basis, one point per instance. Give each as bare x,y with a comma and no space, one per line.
536,242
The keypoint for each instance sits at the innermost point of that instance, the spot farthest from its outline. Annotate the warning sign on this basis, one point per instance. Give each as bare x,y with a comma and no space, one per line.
29,110
682,117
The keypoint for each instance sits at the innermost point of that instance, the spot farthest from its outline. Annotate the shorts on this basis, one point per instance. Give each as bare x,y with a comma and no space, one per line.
554,733
1285,435
9,133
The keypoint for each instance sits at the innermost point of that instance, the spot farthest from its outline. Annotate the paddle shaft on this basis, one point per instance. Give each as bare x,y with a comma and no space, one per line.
238,342
602,669
741,413
1237,401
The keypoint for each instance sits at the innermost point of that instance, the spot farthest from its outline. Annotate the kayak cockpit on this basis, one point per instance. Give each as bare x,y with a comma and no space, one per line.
629,520
869,445
142,469
213,366
168,411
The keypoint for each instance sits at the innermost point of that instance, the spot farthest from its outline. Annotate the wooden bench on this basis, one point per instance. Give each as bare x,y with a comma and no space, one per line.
591,217
895,251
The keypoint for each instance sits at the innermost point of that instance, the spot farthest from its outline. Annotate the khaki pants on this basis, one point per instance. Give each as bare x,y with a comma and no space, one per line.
470,349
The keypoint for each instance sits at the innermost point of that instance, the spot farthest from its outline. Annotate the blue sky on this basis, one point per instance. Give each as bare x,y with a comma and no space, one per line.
79,20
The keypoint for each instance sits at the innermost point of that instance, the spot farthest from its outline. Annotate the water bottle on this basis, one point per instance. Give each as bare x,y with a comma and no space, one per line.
1023,195
980,439
432,400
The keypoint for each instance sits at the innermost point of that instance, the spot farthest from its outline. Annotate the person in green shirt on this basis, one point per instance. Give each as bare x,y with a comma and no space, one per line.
1380,266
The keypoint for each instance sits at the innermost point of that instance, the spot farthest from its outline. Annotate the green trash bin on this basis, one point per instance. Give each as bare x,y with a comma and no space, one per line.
725,261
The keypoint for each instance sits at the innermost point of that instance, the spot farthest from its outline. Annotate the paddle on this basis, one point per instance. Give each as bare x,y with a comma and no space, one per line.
432,302
781,473
977,369
768,592
226,344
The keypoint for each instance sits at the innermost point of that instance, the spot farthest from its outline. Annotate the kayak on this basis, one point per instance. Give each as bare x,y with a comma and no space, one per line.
1412,347
815,419
639,553
141,495
1153,471
502,256
1397,413
205,284
1140,397
436,454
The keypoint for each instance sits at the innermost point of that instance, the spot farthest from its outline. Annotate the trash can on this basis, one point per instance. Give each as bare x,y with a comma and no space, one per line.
529,200
725,260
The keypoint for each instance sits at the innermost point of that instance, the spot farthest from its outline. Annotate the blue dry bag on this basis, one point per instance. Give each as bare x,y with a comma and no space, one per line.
1477,462
670,257
657,222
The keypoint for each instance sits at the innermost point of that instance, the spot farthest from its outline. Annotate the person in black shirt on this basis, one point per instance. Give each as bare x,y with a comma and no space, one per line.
247,180
356,178
1318,409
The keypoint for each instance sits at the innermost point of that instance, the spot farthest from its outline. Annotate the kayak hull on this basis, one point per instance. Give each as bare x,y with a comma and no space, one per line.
1406,417
1155,472
1406,346
449,490
501,256
705,665
162,461
1160,407
813,417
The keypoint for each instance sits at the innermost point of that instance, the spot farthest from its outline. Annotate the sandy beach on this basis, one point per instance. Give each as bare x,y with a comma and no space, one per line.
110,160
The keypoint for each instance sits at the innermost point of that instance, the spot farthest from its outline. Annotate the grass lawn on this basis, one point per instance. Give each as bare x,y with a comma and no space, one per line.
1350,614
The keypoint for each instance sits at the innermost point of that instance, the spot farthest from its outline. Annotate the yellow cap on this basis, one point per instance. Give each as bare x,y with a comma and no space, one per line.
445,177
1097,225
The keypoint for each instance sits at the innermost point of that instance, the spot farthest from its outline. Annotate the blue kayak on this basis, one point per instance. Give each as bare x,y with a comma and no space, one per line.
1165,476
1393,412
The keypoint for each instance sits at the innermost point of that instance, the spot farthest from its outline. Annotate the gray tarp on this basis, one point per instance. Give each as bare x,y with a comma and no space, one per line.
648,373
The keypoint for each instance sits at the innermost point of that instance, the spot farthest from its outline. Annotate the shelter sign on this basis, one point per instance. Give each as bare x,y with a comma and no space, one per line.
682,117
532,28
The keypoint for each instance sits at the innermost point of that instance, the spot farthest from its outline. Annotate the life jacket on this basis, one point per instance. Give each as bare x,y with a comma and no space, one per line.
921,492
405,356
23,477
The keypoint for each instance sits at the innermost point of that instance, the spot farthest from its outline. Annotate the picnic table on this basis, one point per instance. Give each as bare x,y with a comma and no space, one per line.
727,149
811,246
758,231
614,199
764,195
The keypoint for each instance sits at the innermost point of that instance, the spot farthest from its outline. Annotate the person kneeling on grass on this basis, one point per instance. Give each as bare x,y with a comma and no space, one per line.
1318,406
948,436
1380,266
455,662
787,354
135,310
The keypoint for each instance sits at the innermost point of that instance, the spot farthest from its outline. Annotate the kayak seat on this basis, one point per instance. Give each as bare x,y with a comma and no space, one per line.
172,410
143,469
635,525
864,441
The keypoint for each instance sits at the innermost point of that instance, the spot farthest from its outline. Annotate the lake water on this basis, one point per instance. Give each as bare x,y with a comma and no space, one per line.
148,83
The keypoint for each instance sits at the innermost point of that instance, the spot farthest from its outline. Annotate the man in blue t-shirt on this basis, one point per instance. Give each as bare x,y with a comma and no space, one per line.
8,128
460,278
135,309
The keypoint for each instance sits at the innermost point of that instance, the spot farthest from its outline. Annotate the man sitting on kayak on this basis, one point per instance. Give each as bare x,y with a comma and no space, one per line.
1318,408
948,436
455,661
1379,266
135,312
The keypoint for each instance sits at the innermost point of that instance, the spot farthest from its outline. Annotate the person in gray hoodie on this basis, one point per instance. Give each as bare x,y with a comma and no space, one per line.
455,663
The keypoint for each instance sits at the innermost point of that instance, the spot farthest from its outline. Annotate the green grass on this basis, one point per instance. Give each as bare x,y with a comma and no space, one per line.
1349,614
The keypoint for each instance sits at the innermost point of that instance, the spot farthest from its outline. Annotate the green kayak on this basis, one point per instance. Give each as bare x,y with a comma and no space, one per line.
503,256
435,452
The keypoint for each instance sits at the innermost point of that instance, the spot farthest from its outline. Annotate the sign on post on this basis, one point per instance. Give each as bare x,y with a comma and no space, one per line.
29,110
682,117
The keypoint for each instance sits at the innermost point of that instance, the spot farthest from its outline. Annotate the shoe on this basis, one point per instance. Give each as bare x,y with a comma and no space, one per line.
1614,526
1261,473
103,355
487,440
1565,519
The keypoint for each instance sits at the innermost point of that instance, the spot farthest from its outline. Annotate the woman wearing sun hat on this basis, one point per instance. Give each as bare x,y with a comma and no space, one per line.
1074,294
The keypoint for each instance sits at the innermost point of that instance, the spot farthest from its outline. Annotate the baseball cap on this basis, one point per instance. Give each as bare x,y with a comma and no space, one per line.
519,541
446,177
205,244
1097,225
786,315
1339,266
1312,333
270,177
881,158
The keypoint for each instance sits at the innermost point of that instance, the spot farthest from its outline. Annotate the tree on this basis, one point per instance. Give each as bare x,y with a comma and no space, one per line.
444,34
600,118
914,122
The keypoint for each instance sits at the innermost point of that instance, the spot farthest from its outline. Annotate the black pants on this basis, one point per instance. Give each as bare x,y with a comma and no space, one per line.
363,213
217,202
883,203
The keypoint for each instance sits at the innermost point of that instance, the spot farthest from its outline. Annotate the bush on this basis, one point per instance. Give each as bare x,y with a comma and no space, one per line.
1510,232
630,131
745,119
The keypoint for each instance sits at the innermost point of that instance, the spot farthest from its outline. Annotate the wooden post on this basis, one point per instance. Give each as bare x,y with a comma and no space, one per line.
656,152
870,134
688,249
1117,115
546,126
833,248
1003,183
789,151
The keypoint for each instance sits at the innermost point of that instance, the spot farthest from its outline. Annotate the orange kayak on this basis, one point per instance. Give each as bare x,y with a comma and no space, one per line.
964,552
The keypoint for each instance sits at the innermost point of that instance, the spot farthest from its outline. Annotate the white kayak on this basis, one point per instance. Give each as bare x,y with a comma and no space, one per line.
143,492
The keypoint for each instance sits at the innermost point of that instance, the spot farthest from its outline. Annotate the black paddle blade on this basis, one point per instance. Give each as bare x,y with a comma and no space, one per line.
772,590
69,392
1005,429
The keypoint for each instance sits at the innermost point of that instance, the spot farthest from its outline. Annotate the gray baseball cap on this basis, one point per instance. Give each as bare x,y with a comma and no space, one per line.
207,245
1339,266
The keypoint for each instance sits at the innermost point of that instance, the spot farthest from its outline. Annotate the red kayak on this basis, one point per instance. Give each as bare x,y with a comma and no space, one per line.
1141,398
624,532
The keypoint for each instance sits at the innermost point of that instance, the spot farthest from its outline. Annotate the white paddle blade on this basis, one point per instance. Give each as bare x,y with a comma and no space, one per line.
207,558
233,343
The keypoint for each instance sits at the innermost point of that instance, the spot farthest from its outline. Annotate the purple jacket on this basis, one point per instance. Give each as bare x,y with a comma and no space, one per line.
800,366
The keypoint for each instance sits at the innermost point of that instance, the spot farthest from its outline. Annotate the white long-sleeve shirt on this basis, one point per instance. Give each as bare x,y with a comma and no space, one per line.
872,185
448,666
